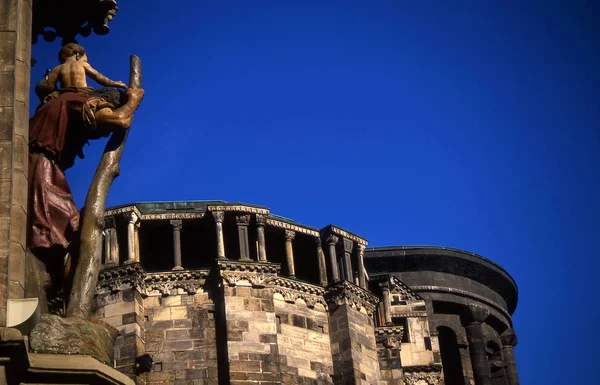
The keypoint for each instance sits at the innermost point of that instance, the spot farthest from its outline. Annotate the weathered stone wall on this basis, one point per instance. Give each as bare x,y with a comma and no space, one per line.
303,341
124,310
251,336
177,330
180,336
353,347
15,59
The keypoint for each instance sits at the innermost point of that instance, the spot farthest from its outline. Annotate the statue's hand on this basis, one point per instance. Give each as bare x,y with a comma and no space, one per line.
121,85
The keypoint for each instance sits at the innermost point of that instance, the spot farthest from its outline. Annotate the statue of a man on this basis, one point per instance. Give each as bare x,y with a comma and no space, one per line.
67,118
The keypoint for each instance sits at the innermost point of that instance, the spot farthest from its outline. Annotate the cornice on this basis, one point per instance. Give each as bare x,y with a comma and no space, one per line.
123,210
347,293
171,216
292,227
348,235
247,273
133,275
291,290
242,208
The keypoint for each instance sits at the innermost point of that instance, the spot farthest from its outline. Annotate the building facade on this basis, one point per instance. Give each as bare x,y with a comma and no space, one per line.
228,293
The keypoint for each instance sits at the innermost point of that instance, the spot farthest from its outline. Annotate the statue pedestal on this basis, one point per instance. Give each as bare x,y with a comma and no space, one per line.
57,335
17,366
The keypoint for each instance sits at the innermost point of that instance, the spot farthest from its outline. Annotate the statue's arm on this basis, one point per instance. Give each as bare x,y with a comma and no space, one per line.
53,78
101,79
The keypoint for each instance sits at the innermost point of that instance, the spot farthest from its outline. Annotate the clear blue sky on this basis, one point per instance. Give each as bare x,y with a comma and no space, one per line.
463,124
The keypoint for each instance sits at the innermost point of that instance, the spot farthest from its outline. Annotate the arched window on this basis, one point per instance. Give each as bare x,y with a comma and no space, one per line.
453,371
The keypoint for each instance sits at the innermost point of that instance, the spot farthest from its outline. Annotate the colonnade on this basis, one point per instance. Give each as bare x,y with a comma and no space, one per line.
340,248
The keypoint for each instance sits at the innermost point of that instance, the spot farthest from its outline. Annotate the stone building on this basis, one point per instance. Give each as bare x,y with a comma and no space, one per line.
228,293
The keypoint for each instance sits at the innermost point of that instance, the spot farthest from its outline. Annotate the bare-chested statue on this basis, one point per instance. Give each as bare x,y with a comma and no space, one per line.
67,118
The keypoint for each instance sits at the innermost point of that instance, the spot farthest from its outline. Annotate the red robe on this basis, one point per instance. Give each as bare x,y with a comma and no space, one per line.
57,133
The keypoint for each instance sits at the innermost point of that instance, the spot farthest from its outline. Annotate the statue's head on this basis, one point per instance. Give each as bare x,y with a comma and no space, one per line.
71,50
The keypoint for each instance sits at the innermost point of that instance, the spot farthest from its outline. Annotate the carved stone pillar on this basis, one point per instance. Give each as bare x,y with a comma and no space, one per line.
132,218
479,361
362,279
335,274
387,305
289,252
219,216
322,265
136,240
260,232
111,247
242,224
509,341
348,245
176,225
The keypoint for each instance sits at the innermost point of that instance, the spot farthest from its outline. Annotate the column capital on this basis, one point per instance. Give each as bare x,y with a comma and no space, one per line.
218,215
318,241
242,220
332,240
348,245
476,314
176,224
109,222
509,338
290,235
360,249
261,219
131,217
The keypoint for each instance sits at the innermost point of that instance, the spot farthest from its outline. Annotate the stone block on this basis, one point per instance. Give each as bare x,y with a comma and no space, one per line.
6,119
7,86
244,366
160,377
179,312
20,152
119,309
161,314
15,289
150,302
158,325
21,120
182,323
18,228
24,34
177,345
173,300
20,187
181,334
22,82
16,263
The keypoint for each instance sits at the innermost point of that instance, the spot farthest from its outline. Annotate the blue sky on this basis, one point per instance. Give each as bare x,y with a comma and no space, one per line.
463,124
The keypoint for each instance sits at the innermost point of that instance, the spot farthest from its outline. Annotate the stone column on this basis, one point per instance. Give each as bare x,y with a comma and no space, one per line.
362,279
111,247
219,216
509,341
289,252
242,223
481,367
348,245
176,225
322,264
335,274
387,306
15,59
132,218
260,232
136,240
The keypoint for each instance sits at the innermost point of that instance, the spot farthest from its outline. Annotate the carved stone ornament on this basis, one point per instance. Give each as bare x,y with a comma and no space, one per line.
422,378
134,276
261,219
176,224
349,294
109,222
405,292
389,337
292,290
289,235
242,220
332,240
219,216
256,274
